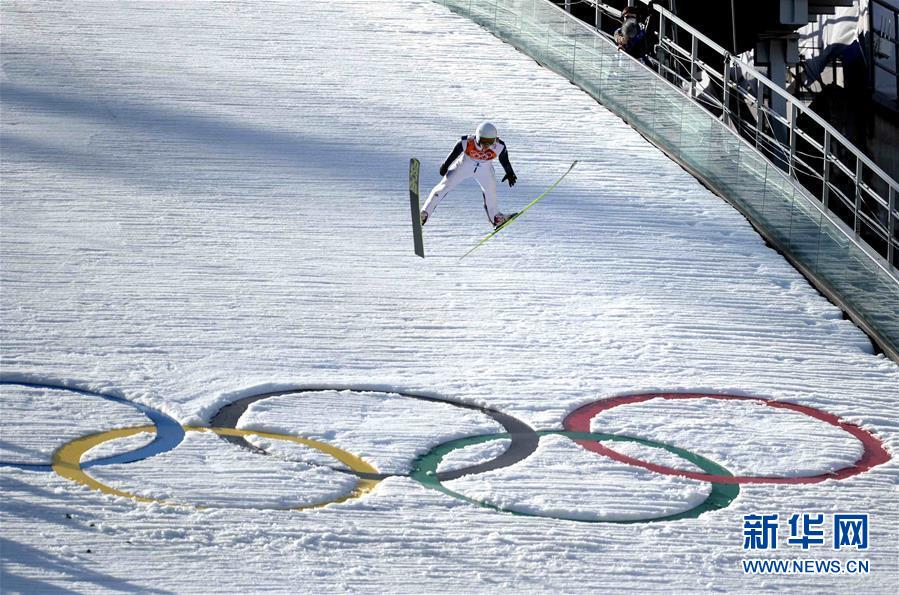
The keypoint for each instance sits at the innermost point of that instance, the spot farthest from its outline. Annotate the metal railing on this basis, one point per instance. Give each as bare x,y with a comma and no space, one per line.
601,11
848,184
678,114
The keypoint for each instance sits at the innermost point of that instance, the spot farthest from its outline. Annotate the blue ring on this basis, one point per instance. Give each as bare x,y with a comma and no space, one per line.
169,432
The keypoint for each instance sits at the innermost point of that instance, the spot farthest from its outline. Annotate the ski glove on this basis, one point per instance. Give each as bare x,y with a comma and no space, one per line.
511,177
443,169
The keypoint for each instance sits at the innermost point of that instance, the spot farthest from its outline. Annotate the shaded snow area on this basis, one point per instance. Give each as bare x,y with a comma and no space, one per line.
31,415
205,211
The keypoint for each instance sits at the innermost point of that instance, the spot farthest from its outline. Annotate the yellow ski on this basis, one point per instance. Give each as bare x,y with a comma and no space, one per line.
521,212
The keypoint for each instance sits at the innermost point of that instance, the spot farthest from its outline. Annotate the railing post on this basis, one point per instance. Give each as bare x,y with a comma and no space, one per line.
660,51
794,114
694,49
891,224
597,19
567,5
725,93
825,195
573,55
858,193
759,110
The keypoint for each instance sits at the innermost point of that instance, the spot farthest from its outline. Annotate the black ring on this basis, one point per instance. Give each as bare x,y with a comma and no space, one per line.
524,438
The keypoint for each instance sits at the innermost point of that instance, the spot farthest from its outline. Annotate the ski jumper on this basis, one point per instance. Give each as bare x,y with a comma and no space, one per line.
470,160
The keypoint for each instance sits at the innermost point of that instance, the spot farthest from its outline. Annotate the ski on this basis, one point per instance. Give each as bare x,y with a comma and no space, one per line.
521,212
414,167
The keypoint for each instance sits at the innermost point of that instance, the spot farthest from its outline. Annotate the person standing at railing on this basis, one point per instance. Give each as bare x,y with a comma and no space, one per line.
632,37
472,157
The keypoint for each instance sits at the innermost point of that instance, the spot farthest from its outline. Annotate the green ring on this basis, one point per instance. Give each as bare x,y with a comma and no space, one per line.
424,470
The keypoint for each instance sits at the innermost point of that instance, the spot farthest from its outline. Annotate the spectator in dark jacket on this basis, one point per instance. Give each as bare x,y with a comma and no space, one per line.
631,37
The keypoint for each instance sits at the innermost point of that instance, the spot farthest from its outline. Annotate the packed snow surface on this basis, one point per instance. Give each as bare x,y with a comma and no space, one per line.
388,432
583,486
203,202
771,441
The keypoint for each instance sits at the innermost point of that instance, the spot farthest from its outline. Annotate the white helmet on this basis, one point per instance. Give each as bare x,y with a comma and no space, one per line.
486,133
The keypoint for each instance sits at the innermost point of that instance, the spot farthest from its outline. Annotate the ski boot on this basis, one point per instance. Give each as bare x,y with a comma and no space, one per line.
499,220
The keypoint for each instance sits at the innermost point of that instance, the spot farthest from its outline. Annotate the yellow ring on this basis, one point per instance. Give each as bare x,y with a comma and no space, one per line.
67,462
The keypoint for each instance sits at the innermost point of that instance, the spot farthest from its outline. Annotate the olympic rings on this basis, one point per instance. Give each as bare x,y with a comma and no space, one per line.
524,441
169,433
67,462
523,437
721,495
874,452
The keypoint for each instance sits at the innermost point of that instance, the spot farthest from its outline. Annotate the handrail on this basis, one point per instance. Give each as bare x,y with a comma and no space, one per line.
780,91
691,30
748,68
783,151
605,8
776,134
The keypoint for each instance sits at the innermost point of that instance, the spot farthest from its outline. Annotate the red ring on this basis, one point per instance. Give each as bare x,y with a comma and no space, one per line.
875,453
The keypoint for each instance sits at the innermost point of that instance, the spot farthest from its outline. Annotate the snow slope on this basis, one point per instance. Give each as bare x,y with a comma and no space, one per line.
207,201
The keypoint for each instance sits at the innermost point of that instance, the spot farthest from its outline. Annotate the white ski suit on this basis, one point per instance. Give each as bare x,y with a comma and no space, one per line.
470,160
